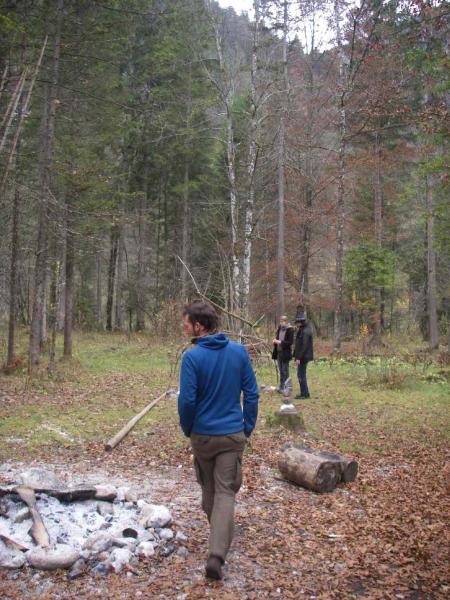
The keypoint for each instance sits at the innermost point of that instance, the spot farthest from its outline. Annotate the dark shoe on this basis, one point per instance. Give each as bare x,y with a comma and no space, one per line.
298,397
214,568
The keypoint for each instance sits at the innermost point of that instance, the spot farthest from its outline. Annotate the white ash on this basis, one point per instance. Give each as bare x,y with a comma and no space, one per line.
87,535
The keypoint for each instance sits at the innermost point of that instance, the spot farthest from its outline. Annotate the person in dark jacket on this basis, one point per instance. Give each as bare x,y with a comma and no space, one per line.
213,375
303,353
282,349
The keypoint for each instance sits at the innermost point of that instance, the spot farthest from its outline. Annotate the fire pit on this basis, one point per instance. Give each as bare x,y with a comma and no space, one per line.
100,528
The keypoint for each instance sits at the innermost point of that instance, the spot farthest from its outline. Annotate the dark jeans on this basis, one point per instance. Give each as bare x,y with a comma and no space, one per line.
283,368
301,374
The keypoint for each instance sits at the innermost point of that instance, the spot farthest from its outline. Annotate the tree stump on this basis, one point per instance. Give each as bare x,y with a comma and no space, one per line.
290,419
309,470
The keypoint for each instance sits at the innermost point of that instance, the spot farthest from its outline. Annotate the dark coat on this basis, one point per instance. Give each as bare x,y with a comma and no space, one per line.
284,350
304,344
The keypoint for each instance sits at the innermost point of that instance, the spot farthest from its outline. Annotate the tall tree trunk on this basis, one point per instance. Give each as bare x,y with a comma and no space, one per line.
98,302
281,168
44,185
251,166
309,173
141,259
69,283
340,200
431,268
378,231
185,233
13,275
118,308
55,293
111,276
227,92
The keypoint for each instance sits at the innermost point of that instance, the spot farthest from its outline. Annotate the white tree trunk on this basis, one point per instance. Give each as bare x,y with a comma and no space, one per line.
251,168
281,168
340,199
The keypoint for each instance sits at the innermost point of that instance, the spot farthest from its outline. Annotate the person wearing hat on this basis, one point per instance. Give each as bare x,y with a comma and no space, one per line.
303,353
282,349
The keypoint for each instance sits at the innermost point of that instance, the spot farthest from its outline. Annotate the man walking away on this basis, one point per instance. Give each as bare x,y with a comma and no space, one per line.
303,353
282,349
213,375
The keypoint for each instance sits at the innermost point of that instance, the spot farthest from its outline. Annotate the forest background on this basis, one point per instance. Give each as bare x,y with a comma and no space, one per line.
293,158
286,173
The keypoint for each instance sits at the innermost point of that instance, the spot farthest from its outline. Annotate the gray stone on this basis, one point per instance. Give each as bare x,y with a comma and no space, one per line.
120,557
78,568
167,550
4,507
98,542
145,549
131,496
40,478
165,534
106,491
180,537
122,492
59,556
129,543
105,508
11,559
154,515
102,569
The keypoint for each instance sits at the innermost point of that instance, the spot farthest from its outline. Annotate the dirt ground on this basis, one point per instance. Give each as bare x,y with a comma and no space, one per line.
382,536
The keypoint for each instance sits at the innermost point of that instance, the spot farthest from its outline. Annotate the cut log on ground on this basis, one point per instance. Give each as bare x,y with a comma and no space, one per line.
112,443
348,466
309,470
38,530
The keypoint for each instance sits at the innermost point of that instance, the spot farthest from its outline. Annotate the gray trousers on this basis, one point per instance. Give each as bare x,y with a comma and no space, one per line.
218,467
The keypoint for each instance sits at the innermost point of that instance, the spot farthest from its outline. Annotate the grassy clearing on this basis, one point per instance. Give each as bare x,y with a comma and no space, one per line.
359,406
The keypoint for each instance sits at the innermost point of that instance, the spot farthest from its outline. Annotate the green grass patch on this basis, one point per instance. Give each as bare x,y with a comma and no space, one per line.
356,403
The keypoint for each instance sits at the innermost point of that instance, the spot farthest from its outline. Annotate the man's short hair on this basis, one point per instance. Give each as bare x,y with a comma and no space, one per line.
203,313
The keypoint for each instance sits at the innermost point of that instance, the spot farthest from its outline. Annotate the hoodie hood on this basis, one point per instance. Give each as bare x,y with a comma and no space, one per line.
217,341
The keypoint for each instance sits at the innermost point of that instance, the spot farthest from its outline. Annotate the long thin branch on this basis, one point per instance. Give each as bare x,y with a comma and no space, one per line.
22,117
221,308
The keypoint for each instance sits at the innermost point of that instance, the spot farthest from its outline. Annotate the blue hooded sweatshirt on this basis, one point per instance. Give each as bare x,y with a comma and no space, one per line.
212,376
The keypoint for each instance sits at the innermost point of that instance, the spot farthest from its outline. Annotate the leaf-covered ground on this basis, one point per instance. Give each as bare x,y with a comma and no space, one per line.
383,536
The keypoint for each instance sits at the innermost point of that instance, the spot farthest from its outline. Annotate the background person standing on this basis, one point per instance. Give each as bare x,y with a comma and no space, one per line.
213,375
303,353
282,349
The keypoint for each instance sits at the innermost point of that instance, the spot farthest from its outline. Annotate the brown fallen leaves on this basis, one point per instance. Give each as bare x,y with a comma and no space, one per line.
382,537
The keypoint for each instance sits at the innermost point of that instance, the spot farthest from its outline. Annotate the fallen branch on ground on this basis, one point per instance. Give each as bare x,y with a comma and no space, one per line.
114,441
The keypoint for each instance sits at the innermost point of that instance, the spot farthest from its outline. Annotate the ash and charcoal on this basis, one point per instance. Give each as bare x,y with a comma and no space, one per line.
85,535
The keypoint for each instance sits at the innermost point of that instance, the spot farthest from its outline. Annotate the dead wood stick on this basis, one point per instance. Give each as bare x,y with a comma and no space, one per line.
13,544
112,443
221,308
69,494
38,531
